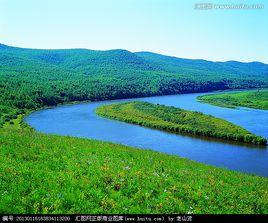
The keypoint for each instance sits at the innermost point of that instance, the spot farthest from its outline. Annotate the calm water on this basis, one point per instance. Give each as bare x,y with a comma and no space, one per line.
80,120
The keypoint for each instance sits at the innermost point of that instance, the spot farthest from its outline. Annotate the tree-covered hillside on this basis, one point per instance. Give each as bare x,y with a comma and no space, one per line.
31,78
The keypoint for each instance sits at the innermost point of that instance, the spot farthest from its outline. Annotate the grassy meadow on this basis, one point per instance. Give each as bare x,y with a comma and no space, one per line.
53,174
178,120
257,99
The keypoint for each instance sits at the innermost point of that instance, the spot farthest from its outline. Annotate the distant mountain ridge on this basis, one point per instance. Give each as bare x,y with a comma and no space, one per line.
176,62
4,46
82,58
141,53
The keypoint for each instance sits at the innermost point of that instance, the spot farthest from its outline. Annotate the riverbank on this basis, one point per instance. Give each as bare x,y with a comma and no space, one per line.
56,174
80,120
251,99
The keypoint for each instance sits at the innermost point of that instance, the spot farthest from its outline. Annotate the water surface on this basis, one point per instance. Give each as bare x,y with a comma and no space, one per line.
80,120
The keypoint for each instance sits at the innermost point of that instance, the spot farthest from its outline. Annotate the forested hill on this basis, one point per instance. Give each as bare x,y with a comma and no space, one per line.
204,67
31,78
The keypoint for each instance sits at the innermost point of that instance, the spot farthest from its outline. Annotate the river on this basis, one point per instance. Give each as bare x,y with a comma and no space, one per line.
80,120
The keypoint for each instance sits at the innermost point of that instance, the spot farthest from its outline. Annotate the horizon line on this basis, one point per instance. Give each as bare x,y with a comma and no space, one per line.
172,56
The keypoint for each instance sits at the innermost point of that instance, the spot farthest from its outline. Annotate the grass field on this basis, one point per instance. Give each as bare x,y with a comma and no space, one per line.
250,99
178,120
54,174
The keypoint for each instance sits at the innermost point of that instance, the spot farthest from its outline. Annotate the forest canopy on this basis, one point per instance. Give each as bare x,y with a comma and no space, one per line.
31,78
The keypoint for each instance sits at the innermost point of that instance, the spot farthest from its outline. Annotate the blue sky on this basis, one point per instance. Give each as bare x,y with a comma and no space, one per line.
171,27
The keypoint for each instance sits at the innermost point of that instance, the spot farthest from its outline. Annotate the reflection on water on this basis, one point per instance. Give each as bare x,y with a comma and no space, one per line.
80,120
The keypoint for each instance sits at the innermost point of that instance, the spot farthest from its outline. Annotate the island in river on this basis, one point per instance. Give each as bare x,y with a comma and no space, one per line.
178,120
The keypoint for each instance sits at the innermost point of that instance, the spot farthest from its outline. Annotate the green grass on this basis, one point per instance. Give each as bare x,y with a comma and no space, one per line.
250,99
54,174
178,121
